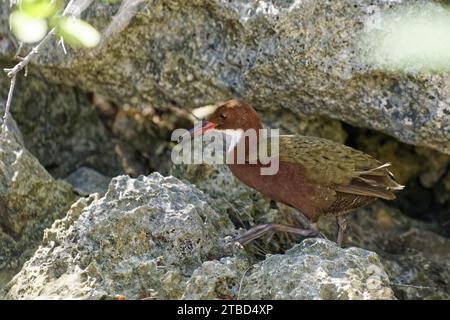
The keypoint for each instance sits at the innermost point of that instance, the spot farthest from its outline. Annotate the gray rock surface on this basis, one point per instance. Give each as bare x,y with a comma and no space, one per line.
13,129
67,128
314,269
60,126
318,269
144,238
30,200
301,56
218,279
86,181
415,256
156,237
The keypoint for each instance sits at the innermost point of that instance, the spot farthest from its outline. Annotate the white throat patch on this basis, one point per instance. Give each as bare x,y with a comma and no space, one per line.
232,137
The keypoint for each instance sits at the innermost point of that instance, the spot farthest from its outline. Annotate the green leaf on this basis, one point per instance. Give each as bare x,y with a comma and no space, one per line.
40,8
27,29
77,32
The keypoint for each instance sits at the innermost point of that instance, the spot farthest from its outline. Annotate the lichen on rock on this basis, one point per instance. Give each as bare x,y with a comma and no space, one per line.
299,56
318,269
144,237
157,237
30,200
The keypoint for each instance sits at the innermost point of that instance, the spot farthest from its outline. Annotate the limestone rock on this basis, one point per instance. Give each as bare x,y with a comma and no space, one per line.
59,125
318,269
315,269
157,237
218,279
30,200
144,238
86,181
415,256
288,123
302,56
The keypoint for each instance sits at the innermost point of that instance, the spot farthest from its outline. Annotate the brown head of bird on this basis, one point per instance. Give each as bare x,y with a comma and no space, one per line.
235,115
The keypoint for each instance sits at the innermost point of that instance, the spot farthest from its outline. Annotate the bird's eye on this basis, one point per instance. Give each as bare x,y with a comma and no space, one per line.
223,115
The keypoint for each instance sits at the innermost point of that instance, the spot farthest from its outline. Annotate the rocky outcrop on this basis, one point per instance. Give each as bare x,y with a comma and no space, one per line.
156,237
143,238
160,237
60,126
318,269
30,200
301,56
314,269
86,181
67,128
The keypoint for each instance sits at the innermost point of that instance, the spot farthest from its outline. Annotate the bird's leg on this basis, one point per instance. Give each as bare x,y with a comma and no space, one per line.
258,231
342,225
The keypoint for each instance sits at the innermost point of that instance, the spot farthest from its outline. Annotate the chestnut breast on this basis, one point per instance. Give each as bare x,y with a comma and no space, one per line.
289,186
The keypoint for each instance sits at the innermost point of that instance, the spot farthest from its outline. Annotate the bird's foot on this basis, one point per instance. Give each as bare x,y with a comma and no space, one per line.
260,230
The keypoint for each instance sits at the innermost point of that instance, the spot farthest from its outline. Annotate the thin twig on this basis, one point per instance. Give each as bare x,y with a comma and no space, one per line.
26,60
69,5
8,104
63,46
241,283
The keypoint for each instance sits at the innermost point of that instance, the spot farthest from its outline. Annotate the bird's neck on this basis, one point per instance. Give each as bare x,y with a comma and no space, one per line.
243,141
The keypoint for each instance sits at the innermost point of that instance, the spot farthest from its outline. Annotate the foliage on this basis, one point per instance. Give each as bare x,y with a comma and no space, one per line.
31,19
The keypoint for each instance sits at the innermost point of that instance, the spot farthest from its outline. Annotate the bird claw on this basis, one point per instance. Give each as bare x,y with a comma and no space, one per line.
258,231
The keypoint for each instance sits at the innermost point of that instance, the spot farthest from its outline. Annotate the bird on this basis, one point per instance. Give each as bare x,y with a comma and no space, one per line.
316,176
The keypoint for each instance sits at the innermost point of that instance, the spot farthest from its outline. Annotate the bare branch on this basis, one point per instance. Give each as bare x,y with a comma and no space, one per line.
63,46
18,67
8,104
68,7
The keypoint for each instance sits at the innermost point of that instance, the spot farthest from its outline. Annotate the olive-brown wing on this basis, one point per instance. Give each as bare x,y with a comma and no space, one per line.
339,167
